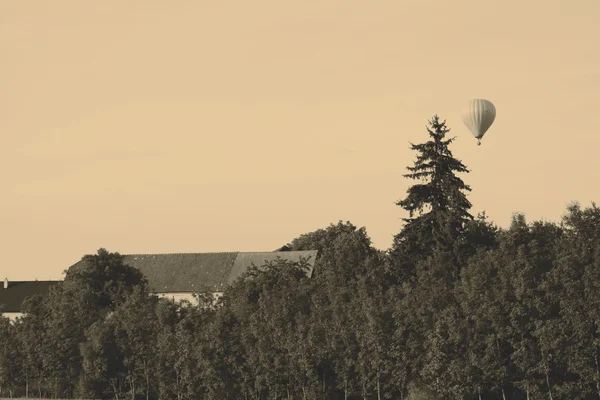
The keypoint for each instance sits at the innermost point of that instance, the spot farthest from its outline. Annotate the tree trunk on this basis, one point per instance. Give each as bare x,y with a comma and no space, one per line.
147,386
132,387
178,386
479,391
40,386
597,371
364,391
378,390
115,390
501,381
548,383
345,389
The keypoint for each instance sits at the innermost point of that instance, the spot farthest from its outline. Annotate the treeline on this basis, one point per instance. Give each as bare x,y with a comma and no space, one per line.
457,309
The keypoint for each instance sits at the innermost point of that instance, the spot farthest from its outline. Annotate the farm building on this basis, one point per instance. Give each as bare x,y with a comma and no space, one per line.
179,276
174,276
13,293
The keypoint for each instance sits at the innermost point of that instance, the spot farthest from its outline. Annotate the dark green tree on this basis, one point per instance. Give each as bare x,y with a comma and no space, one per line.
64,326
439,201
569,335
373,326
102,362
480,233
105,278
30,331
171,353
10,367
343,251
259,313
485,300
91,289
428,307
136,324
526,255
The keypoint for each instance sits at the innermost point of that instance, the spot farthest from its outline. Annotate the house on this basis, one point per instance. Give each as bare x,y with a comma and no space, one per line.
12,294
174,276
179,276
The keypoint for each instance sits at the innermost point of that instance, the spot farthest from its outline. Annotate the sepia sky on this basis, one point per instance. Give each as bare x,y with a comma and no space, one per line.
194,126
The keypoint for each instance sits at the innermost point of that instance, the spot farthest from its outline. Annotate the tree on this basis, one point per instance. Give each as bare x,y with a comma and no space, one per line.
30,330
428,307
10,370
136,322
527,254
102,361
170,350
343,251
373,327
91,289
105,277
442,207
65,324
583,230
480,233
259,319
571,338
485,302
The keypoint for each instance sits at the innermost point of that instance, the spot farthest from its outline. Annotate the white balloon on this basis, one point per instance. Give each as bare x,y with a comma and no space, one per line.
478,116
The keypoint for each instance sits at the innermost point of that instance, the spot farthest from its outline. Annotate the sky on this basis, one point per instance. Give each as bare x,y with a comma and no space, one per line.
193,126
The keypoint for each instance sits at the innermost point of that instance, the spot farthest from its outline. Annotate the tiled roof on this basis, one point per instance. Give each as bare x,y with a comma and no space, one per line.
183,272
244,260
12,297
284,248
190,272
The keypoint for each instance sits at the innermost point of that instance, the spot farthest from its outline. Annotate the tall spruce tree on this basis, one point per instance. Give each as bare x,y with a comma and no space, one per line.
439,201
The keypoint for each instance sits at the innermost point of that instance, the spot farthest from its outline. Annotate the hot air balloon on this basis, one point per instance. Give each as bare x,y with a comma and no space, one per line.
478,116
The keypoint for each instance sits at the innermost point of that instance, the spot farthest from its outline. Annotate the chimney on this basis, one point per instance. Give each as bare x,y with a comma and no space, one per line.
5,283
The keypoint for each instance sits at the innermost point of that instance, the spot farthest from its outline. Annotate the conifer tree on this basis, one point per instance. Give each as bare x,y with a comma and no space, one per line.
439,201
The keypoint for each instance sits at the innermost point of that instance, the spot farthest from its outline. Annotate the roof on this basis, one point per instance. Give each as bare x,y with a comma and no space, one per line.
244,260
12,297
284,248
191,272
183,272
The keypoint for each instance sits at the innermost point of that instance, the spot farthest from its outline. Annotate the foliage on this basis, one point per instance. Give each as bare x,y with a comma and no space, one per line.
439,201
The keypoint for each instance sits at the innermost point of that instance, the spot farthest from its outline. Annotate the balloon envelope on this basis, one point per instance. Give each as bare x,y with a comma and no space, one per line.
478,116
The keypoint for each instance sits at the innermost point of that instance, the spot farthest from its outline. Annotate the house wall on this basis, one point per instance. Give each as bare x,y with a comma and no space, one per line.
12,315
178,297
189,296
